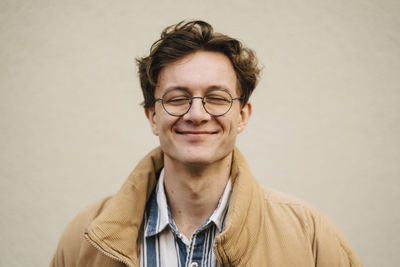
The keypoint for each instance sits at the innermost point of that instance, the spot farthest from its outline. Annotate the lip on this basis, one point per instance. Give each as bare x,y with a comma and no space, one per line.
184,132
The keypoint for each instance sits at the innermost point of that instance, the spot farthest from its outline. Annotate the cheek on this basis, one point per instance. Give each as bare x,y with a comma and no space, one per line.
234,123
165,125
160,122
230,125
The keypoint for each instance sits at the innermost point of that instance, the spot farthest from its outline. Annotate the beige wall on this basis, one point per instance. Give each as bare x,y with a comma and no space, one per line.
325,127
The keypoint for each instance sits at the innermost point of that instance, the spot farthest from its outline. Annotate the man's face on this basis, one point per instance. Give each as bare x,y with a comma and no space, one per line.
198,137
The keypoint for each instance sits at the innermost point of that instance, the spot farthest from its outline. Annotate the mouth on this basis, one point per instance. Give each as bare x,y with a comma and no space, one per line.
196,132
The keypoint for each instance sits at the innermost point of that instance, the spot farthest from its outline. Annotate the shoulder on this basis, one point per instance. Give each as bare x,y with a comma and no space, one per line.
327,241
294,210
284,209
82,220
286,204
276,199
72,240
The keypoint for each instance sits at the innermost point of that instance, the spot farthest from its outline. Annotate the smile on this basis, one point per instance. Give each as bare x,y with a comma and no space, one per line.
195,132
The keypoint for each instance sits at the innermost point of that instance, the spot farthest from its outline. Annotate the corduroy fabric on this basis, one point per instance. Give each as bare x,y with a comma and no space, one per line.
263,227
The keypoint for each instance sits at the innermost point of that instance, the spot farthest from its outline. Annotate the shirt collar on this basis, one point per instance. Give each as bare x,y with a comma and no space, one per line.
159,215
158,211
219,214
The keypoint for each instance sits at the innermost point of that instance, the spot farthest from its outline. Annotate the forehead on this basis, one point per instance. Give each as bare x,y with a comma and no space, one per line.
197,73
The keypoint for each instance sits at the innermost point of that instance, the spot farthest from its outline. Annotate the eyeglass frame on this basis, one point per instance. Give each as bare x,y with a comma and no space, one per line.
190,98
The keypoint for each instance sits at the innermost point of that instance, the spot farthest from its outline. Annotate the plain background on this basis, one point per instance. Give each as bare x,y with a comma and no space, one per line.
325,124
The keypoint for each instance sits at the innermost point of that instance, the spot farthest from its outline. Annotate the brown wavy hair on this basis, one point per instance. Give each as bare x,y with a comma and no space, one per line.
184,38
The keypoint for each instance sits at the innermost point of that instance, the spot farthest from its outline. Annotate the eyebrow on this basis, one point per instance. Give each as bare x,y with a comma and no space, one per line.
209,89
217,87
172,88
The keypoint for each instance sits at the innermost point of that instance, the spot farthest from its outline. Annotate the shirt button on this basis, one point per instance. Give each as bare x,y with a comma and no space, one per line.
194,264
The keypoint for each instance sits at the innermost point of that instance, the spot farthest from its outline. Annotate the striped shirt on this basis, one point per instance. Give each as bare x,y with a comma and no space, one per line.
164,245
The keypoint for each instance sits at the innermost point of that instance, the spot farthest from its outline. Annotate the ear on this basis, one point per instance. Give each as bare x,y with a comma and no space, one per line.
151,117
245,114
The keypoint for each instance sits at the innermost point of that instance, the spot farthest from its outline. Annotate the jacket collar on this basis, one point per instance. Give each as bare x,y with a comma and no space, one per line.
117,229
245,216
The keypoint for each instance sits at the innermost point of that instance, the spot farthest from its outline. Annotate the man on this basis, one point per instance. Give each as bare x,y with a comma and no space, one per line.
193,201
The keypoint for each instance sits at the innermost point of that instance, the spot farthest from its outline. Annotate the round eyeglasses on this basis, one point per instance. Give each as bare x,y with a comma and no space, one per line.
177,102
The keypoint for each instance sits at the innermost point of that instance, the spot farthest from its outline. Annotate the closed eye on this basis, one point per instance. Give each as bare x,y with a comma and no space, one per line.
217,100
176,101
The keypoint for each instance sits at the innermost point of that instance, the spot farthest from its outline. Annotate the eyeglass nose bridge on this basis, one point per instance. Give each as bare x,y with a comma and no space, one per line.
203,102
198,97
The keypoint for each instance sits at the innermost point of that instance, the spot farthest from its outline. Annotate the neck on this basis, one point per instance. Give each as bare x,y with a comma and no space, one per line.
193,191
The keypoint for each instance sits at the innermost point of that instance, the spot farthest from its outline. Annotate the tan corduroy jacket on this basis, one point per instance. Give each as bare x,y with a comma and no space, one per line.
263,227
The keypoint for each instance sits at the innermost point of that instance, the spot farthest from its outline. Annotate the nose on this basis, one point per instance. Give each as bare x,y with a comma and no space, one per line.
197,114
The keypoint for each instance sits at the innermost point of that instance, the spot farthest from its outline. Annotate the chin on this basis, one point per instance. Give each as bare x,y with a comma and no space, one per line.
199,156
196,158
